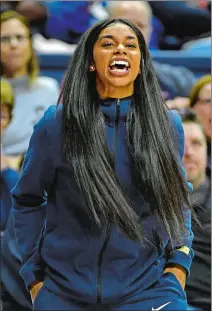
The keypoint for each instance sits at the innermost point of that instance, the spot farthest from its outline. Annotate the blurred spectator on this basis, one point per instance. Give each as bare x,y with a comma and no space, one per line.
33,94
13,291
62,20
202,45
140,14
178,103
200,102
156,35
198,287
182,22
9,177
174,81
51,46
8,5
203,4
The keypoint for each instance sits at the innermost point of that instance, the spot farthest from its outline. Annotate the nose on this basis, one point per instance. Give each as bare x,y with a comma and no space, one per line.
187,150
13,41
120,49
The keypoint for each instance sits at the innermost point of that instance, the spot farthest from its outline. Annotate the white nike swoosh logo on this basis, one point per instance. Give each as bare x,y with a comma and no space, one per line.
153,309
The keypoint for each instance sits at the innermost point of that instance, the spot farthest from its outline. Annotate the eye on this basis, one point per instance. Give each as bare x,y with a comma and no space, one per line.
5,39
20,37
132,46
107,44
197,143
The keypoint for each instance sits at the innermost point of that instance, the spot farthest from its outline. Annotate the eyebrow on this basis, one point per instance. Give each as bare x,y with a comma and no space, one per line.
112,37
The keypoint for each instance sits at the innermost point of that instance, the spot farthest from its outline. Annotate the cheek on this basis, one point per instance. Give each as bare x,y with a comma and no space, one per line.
4,55
100,67
204,113
26,52
136,69
100,59
136,61
207,110
4,124
203,160
101,70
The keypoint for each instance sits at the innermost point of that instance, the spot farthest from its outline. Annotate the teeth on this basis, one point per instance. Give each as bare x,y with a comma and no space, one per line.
119,70
120,62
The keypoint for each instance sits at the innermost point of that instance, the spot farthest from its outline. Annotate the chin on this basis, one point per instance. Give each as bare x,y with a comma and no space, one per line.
120,82
192,177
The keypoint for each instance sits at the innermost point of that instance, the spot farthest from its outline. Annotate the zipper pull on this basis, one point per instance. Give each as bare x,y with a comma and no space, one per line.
118,102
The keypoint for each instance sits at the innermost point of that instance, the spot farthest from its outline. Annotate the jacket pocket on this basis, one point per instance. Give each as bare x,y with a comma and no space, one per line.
40,291
45,234
173,278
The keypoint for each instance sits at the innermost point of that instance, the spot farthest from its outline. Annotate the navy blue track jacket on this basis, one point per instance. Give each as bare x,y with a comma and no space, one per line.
54,235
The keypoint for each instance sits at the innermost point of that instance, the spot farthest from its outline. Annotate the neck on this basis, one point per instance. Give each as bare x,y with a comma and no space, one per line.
197,182
14,74
109,91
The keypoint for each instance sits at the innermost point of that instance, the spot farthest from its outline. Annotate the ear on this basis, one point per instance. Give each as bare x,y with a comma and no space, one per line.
92,68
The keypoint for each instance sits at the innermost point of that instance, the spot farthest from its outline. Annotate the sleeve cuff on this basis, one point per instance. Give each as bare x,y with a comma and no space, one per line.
177,257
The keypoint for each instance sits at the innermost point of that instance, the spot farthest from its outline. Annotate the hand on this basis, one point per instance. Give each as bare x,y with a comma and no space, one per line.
179,272
178,103
35,289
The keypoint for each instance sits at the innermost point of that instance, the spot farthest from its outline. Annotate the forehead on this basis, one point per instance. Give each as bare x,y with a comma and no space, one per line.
118,31
206,89
13,25
193,131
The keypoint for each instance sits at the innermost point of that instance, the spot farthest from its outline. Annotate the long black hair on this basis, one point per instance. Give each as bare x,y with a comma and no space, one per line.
150,140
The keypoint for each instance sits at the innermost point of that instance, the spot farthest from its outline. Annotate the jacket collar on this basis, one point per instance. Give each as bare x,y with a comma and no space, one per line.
109,107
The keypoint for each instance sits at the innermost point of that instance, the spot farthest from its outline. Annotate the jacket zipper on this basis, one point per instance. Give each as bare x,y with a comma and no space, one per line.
108,232
100,259
116,129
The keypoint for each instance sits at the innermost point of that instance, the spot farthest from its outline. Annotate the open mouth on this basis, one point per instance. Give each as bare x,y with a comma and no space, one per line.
119,66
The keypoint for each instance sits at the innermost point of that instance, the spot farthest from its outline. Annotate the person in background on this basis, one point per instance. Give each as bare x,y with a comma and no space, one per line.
62,20
11,283
200,102
8,5
198,285
33,93
182,20
9,177
175,82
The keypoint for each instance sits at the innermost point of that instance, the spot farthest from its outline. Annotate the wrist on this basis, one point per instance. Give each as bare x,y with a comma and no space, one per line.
179,272
34,285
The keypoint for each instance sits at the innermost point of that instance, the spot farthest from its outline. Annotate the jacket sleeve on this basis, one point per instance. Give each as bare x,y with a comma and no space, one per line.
29,201
177,15
65,22
9,178
181,254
